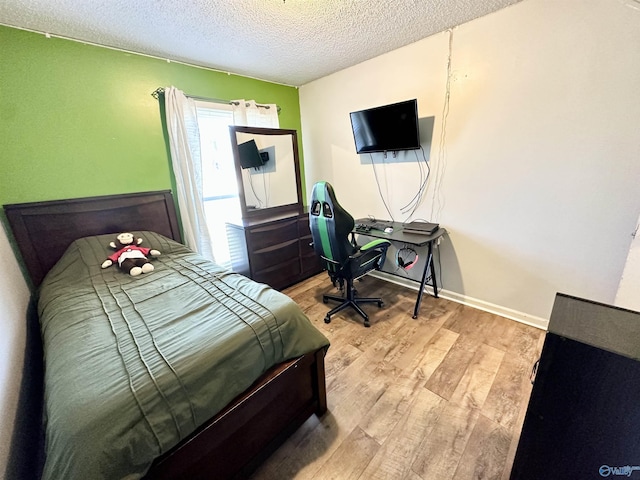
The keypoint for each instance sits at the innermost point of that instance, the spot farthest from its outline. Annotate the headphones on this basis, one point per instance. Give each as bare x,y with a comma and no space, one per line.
406,257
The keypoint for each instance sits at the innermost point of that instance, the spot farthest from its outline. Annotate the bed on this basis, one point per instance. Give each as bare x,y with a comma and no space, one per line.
190,371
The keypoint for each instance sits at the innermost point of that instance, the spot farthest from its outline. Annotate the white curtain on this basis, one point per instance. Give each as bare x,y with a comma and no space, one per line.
184,141
249,113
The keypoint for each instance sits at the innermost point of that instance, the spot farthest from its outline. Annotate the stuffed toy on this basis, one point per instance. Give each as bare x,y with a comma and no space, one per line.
130,256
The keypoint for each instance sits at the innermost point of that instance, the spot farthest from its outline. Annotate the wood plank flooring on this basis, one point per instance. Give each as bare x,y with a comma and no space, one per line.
436,398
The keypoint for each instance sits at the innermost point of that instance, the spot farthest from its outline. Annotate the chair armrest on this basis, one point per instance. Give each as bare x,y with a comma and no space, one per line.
332,262
374,253
376,243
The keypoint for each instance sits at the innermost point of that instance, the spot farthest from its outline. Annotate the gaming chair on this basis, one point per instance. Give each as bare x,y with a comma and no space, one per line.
344,261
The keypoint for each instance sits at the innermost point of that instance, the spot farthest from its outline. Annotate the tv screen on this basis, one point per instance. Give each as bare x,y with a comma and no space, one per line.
249,155
387,128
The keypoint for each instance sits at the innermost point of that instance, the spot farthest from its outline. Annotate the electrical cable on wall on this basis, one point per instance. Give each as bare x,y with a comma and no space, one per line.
635,4
416,197
266,190
413,204
260,203
438,202
411,207
380,189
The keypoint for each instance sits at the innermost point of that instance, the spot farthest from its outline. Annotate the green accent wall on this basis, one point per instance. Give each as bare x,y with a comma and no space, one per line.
79,120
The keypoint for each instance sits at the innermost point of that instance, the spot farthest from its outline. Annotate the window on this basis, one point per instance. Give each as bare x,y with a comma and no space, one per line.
220,189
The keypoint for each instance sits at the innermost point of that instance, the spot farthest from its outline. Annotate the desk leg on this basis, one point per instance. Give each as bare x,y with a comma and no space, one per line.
428,267
433,270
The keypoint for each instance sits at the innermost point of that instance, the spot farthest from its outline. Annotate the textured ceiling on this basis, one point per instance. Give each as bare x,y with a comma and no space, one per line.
291,41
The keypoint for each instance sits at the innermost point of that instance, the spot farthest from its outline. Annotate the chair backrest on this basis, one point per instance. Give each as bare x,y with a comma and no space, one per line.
330,226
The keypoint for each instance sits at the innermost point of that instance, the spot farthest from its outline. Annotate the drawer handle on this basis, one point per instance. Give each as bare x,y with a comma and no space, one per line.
276,247
270,228
534,371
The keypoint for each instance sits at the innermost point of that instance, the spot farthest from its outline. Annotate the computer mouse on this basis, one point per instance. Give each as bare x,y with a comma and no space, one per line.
388,230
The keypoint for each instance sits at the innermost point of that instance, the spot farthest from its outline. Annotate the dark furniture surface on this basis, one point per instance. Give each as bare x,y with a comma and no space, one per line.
245,433
233,442
418,240
275,250
44,230
271,243
583,418
344,260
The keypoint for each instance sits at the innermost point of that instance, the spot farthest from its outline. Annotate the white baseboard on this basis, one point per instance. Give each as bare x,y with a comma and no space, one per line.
537,322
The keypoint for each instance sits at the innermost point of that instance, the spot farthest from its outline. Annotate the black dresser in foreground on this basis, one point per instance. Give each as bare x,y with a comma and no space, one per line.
583,418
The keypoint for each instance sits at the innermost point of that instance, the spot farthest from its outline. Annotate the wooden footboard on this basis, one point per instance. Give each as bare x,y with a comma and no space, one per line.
239,438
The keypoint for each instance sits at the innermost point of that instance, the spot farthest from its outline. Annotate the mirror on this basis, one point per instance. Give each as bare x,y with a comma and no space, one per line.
267,169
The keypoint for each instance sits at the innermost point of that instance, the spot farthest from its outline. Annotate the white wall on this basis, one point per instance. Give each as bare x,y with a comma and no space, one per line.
541,163
14,298
628,295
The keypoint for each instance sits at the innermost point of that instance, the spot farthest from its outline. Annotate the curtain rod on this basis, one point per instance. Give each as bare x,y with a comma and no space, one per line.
160,91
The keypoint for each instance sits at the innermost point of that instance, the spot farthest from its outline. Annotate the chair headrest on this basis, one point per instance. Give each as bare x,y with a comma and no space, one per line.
325,204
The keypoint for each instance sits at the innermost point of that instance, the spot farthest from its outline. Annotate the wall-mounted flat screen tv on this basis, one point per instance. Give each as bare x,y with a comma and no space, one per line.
387,128
249,155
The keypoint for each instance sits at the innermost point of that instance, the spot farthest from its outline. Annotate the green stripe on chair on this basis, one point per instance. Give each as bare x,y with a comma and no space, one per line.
322,226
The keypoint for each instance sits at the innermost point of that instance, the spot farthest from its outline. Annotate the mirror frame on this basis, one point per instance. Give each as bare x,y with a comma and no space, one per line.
263,212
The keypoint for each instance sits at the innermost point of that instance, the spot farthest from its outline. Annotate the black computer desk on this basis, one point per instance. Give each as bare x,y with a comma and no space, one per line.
415,239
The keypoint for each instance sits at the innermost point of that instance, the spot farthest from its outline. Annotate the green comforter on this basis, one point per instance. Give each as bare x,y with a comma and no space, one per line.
135,364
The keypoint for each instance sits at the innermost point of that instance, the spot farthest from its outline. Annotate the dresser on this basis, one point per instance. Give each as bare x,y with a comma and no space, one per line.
270,242
274,250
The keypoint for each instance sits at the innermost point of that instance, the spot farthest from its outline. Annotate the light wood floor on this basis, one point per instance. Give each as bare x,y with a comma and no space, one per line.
440,397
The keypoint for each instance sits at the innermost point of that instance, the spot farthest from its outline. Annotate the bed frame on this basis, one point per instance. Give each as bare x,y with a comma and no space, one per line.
234,442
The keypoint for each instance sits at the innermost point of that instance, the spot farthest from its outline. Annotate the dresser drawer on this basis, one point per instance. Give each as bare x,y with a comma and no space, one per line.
310,264
274,255
303,226
274,251
271,234
281,275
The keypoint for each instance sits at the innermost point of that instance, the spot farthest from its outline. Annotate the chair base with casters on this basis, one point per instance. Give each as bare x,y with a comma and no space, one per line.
350,300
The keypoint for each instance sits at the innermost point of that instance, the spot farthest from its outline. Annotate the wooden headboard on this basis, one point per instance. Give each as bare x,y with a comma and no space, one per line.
44,230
